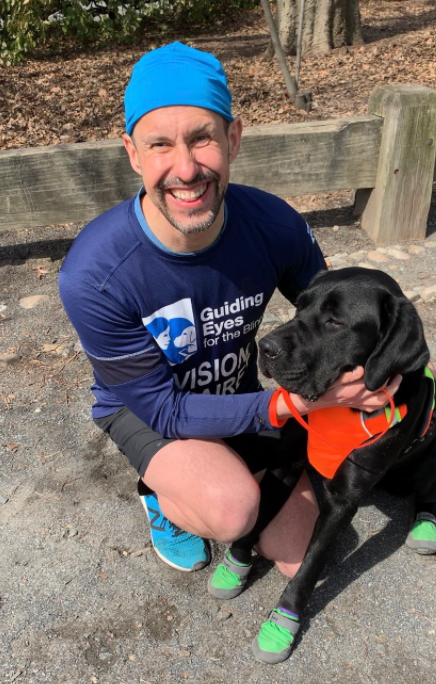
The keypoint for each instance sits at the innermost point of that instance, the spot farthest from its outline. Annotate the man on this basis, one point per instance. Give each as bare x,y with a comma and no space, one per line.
167,292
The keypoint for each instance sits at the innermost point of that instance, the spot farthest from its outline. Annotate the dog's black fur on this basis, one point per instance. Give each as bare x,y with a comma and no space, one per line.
347,318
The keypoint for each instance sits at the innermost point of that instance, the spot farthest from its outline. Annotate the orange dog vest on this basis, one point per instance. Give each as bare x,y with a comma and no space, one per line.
347,430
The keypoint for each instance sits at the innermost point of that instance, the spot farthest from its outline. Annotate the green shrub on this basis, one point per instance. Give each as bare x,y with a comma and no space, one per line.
27,24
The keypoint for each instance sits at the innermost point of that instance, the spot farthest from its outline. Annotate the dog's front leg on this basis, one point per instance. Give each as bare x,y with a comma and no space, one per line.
275,640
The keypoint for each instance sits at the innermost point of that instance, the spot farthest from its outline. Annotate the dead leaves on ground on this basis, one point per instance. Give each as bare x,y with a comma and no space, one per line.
80,97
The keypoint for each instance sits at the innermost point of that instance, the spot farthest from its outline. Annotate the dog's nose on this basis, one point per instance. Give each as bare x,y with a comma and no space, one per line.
269,347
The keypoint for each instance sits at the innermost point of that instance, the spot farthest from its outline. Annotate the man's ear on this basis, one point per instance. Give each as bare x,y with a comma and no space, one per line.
132,152
234,136
401,348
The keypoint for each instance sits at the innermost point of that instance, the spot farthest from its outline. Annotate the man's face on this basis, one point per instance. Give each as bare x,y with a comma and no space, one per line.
183,155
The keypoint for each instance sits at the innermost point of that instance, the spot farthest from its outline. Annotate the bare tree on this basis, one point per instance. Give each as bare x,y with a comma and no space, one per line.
328,24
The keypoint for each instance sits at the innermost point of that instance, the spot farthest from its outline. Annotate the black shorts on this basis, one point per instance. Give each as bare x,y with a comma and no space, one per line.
140,443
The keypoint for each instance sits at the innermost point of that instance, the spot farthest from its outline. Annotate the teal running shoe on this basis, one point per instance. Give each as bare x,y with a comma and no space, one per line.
174,546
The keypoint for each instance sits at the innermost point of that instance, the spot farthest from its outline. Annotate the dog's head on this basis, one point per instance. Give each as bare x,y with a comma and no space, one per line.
345,318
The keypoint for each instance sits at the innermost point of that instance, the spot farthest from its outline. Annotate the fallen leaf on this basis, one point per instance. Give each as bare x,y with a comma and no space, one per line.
47,348
40,272
12,446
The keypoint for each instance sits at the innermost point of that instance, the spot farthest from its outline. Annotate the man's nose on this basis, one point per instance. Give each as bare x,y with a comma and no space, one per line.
184,164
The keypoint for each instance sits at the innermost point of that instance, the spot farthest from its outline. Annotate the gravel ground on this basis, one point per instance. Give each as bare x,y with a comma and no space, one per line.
83,596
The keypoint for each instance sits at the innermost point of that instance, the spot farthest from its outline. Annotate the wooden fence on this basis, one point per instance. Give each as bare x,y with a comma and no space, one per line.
388,156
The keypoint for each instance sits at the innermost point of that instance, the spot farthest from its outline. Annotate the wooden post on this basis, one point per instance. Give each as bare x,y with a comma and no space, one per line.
399,204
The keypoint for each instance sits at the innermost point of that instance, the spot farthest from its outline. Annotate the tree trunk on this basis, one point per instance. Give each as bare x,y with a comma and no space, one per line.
328,24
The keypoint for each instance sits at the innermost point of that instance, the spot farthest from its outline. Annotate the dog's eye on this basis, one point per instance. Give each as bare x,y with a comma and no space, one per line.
333,322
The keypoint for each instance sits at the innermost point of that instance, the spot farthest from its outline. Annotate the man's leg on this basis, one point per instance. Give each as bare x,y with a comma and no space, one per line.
287,537
205,488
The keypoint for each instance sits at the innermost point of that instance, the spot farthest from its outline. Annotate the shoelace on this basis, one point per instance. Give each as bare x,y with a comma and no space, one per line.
175,528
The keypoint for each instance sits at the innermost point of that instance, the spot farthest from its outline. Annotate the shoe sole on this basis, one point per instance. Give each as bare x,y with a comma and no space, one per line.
269,658
422,550
224,594
198,566
421,547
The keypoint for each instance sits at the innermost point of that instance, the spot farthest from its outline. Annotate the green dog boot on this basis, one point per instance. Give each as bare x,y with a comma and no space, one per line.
229,578
274,642
422,535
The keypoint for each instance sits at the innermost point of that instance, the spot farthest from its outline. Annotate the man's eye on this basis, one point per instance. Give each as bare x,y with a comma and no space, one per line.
200,140
159,145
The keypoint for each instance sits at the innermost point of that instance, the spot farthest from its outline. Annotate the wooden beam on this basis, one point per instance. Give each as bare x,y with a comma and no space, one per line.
74,183
398,206
303,159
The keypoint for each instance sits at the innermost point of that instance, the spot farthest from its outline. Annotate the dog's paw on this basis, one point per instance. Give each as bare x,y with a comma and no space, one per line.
276,637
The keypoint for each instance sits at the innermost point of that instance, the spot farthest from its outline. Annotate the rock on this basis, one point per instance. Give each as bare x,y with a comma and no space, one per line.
3,307
223,615
78,346
33,301
7,359
411,295
357,256
338,261
104,655
428,293
415,249
377,256
139,552
366,264
398,254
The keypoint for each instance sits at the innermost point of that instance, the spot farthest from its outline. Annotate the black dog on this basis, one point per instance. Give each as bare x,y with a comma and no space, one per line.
347,318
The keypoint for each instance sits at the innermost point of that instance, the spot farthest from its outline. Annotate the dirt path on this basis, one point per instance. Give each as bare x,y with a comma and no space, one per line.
84,599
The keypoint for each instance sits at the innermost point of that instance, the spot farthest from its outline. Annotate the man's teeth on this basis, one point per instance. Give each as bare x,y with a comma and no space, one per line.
189,194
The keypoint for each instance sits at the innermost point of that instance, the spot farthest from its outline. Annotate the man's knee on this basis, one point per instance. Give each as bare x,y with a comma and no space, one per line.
211,488
233,511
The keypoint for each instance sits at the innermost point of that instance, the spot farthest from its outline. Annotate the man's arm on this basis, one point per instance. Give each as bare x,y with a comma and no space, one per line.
129,363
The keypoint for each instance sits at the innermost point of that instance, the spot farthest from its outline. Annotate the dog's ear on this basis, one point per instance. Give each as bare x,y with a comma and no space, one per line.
401,348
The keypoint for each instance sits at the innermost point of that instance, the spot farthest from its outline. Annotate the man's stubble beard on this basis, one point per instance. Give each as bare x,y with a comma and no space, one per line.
208,220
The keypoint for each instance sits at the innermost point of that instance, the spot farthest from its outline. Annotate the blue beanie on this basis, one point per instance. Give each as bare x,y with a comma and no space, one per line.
176,74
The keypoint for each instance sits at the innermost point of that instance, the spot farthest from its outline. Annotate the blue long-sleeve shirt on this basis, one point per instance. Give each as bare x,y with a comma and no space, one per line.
172,336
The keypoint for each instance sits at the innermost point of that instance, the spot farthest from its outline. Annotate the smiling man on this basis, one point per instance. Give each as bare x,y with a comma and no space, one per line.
167,292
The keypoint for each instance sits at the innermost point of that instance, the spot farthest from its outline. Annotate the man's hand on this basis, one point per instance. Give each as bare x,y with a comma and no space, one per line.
349,390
